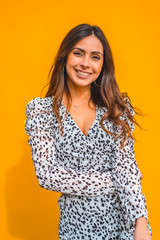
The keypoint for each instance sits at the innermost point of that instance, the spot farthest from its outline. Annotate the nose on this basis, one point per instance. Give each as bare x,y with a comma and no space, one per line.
85,62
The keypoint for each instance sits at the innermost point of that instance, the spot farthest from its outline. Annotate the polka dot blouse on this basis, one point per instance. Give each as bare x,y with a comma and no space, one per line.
99,181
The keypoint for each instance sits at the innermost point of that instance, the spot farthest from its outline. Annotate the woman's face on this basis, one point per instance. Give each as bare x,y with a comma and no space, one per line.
84,62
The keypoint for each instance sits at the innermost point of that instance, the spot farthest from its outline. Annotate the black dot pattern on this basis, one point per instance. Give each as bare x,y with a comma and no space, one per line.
99,181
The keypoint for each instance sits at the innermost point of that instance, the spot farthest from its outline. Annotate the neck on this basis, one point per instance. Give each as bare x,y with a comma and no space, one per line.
79,94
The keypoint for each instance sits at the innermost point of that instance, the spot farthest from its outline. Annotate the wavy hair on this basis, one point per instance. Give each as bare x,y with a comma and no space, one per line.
105,93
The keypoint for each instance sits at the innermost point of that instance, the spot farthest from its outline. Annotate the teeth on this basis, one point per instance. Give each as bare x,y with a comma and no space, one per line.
82,73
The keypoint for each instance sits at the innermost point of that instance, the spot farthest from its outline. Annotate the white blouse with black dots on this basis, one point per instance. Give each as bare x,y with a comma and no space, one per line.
100,182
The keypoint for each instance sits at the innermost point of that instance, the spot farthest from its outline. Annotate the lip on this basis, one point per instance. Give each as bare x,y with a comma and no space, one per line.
82,71
82,76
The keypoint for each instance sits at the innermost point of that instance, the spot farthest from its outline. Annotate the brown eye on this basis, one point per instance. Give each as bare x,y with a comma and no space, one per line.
96,57
77,53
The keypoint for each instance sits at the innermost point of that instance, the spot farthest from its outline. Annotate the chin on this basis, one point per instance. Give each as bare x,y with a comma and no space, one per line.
80,83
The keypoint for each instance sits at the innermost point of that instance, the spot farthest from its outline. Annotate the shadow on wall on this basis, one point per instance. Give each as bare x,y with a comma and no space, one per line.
32,212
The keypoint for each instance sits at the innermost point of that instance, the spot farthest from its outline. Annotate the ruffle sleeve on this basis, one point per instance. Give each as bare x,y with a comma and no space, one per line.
126,177
40,128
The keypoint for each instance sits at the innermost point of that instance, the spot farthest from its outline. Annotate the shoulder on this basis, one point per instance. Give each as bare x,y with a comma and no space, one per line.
40,116
128,104
39,106
125,117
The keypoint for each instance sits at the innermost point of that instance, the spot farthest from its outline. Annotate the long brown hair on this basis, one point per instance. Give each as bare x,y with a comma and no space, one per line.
105,93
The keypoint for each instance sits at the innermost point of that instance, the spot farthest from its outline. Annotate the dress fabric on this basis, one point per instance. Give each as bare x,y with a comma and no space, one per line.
99,181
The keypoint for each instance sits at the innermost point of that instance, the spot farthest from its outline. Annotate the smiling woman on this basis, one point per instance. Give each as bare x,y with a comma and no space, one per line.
84,63
82,144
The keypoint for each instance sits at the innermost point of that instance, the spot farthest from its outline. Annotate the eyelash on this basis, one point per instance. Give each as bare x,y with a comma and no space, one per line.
78,53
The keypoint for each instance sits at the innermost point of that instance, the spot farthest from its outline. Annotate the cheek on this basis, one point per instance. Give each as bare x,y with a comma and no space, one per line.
99,68
70,64
71,61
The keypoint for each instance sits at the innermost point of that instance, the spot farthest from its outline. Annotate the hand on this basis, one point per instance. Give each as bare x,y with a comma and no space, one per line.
141,176
142,234
142,231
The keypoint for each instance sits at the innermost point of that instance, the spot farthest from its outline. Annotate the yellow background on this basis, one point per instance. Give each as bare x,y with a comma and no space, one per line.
31,32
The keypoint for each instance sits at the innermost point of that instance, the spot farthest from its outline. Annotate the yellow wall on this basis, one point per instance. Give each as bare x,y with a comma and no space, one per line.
31,32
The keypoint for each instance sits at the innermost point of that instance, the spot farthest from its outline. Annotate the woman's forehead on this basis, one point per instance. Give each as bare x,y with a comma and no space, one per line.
90,44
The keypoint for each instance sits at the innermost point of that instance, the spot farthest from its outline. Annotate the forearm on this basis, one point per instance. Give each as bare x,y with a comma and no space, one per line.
141,222
55,177
141,230
126,177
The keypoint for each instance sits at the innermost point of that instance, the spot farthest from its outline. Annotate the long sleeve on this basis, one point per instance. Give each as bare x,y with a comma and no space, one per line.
39,126
126,176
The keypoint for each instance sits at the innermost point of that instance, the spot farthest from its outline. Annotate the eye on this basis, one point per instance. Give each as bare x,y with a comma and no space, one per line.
77,53
96,57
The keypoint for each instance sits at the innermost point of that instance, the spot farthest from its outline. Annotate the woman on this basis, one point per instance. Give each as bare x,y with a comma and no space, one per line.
82,144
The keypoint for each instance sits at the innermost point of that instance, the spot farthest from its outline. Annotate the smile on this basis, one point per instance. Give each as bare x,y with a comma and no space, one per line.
83,74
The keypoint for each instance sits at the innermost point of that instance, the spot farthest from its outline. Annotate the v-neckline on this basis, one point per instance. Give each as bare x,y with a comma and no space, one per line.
86,136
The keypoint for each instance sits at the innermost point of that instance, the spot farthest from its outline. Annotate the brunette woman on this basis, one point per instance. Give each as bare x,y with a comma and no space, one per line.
82,143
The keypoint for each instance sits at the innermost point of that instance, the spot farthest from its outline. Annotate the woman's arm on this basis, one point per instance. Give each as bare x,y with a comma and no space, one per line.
50,175
141,232
126,176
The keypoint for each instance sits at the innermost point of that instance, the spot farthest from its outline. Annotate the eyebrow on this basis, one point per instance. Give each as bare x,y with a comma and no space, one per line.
85,51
